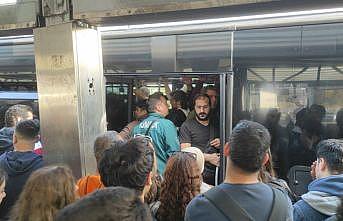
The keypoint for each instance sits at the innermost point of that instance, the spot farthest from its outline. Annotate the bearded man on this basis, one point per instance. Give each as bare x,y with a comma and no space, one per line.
201,132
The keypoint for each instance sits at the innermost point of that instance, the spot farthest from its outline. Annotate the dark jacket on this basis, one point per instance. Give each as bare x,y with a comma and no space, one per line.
321,201
6,139
298,154
18,166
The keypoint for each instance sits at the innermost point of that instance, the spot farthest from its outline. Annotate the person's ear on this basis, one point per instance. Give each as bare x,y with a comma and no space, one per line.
227,149
265,158
322,165
158,106
15,139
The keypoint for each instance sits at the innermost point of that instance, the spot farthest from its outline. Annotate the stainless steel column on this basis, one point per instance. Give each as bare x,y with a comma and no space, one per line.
226,98
71,94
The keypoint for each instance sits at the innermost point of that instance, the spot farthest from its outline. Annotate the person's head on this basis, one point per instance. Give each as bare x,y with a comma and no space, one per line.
339,118
311,132
202,107
329,158
113,203
157,103
273,117
182,181
26,134
47,190
317,111
300,117
211,91
199,156
178,99
248,147
3,177
104,142
141,109
16,113
131,165
142,93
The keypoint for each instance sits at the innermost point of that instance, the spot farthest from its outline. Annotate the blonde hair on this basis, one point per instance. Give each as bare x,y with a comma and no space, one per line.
48,190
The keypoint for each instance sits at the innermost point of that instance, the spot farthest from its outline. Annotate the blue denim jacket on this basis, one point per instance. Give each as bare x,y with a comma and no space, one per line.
304,212
321,201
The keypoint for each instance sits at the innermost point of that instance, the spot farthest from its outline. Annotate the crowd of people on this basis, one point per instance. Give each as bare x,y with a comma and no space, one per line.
162,167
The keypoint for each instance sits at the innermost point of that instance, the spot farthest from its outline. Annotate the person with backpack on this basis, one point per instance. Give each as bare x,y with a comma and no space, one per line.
162,132
242,196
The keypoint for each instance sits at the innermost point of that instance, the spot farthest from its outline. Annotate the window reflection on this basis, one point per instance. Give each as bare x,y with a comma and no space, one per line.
294,86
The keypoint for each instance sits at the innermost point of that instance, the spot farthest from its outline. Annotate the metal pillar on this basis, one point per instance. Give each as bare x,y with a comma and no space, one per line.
71,94
226,101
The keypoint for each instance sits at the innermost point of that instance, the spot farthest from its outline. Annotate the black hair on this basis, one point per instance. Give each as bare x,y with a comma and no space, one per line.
142,104
15,112
332,152
318,110
114,203
129,165
28,129
249,143
201,96
180,96
312,126
209,87
153,100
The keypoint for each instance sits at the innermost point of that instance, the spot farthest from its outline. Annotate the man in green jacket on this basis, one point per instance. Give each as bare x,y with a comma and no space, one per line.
162,132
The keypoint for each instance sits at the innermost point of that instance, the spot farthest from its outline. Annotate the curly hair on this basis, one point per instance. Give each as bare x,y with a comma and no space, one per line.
155,190
128,165
182,181
48,190
17,112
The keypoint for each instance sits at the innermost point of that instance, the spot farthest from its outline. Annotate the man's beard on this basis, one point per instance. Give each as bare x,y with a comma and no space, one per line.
202,116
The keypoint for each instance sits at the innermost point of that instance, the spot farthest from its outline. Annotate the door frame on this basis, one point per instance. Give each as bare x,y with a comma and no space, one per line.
225,103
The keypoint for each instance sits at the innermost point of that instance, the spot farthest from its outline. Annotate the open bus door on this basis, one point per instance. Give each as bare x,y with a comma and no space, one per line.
124,84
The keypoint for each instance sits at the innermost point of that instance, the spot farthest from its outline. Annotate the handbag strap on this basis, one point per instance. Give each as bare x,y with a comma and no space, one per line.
150,126
227,205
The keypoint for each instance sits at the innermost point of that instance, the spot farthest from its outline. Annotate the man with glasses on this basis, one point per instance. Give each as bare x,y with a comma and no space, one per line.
162,132
203,133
